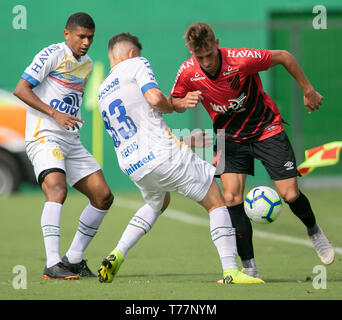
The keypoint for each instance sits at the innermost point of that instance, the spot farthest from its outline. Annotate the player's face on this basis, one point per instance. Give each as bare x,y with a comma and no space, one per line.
208,57
79,40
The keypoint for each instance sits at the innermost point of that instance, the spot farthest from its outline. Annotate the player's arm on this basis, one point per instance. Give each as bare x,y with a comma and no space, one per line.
25,93
191,100
312,99
156,99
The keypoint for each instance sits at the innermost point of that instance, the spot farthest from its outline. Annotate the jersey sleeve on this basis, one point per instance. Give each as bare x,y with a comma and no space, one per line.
145,76
179,89
43,63
257,60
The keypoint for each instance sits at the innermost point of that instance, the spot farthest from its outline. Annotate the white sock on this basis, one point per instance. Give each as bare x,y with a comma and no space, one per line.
223,236
140,224
50,224
89,222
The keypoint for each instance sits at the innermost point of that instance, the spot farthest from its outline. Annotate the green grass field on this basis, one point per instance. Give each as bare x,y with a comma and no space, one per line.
176,260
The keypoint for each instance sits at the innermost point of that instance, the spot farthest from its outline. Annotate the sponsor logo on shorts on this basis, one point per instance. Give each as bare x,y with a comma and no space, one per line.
57,153
289,165
136,166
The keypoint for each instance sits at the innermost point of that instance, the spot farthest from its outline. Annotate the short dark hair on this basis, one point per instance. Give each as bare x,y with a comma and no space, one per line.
199,35
125,36
80,19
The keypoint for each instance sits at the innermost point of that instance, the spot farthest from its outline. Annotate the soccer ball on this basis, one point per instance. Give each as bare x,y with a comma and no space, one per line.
262,205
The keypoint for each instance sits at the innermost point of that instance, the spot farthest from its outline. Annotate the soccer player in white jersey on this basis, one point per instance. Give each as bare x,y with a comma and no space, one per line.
131,105
53,86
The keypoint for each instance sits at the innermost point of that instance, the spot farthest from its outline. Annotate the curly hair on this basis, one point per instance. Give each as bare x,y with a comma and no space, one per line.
199,35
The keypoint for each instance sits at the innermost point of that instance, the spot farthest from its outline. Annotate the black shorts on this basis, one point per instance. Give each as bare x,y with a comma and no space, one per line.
275,153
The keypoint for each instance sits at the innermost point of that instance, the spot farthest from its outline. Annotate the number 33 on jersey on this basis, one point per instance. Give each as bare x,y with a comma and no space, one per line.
140,136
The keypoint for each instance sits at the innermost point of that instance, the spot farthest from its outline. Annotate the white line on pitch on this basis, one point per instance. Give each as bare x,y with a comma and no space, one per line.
187,218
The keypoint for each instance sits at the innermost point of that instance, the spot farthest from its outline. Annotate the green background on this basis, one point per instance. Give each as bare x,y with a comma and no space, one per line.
160,25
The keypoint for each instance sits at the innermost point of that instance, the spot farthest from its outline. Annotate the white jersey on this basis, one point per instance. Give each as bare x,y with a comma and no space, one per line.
141,138
59,80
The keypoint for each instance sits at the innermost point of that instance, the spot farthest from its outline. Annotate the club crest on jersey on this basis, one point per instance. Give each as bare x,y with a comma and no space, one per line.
69,104
68,65
235,105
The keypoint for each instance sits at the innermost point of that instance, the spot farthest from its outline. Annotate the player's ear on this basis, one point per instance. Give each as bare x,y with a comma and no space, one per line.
66,33
132,53
217,42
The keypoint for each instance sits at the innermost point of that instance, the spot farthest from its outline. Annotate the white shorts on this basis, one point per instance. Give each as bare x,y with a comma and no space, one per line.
191,177
53,152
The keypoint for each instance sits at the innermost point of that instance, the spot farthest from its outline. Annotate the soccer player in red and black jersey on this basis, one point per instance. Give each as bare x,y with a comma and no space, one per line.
248,126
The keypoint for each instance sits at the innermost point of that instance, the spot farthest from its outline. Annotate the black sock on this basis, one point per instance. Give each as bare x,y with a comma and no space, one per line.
302,209
244,231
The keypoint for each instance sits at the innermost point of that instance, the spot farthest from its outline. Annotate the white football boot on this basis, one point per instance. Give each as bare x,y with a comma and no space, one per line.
323,247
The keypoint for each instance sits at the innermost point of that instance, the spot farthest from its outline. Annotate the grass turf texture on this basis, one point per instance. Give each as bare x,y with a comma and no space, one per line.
175,261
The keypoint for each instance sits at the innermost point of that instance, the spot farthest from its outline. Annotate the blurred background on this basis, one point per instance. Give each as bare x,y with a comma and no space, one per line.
265,24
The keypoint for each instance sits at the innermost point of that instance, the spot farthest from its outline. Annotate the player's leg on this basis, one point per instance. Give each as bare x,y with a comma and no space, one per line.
298,203
54,188
234,162
233,187
95,188
300,206
282,169
223,236
195,179
48,163
222,231
139,225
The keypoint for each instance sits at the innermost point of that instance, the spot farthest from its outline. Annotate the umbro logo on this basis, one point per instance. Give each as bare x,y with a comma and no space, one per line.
289,165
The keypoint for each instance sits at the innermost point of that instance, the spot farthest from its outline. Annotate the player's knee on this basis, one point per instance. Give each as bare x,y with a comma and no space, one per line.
289,195
56,193
104,200
232,199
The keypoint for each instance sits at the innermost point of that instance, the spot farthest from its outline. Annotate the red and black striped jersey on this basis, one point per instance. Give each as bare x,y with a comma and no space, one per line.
234,97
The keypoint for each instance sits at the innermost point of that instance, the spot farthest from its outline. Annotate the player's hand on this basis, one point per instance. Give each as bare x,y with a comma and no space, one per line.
199,139
312,101
192,99
66,120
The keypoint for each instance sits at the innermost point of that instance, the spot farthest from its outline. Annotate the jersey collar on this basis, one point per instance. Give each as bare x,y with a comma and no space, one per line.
69,51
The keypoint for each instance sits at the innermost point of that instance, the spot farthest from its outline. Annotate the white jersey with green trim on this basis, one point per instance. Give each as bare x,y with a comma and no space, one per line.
59,80
141,138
